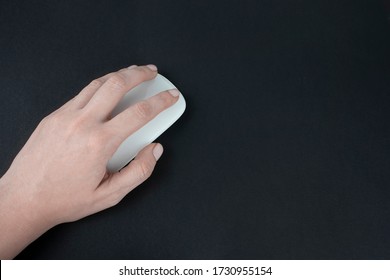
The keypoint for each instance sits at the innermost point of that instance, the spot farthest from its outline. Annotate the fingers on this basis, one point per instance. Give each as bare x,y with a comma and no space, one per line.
86,93
110,91
136,116
121,183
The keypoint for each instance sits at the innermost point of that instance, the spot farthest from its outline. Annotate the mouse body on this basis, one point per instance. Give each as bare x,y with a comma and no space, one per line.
150,131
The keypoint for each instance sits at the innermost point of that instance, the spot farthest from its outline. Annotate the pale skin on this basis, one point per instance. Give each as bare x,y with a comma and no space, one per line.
60,174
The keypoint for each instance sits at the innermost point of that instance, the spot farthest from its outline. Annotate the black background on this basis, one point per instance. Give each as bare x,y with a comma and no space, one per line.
283,152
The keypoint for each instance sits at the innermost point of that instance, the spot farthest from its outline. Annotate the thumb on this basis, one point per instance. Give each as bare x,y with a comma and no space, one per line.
121,183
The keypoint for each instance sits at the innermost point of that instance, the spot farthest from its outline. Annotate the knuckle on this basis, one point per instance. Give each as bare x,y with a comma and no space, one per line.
139,74
75,127
141,70
144,170
76,123
166,99
45,122
97,83
51,120
114,199
117,81
143,110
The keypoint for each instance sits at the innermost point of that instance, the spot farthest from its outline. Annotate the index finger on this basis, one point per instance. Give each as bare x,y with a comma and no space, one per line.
116,86
137,115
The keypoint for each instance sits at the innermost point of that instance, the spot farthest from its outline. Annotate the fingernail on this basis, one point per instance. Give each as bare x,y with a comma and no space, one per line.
157,151
152,67
132,66
174,92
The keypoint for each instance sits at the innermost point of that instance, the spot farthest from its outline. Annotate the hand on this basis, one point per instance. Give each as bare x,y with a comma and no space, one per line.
60,174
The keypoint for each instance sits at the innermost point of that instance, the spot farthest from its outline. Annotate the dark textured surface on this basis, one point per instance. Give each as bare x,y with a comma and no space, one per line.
283,152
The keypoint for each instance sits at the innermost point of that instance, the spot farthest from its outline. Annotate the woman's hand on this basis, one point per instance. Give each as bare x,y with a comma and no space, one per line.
60,174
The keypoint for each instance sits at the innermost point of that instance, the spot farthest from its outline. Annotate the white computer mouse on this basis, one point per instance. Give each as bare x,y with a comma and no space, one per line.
150,131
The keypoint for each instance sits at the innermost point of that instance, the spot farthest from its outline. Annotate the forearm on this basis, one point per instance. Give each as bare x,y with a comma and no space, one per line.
20,225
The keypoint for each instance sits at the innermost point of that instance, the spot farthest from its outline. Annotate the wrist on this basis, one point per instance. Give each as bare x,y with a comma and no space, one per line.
20,219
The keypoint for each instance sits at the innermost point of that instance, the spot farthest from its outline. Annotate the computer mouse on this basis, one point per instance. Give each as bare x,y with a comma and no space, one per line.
150,131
